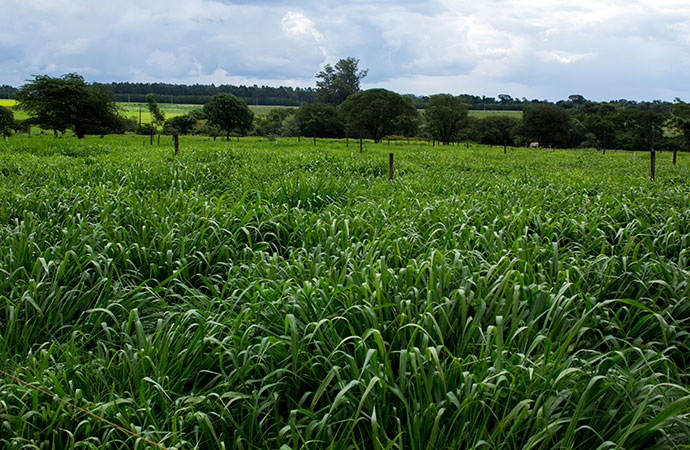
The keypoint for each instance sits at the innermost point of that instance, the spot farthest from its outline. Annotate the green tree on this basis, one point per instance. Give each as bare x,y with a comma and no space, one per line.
68,102
548,124
495,130
6,121
271,123
157,116
644,129
319,120
334,85
445,115
377,112
183,124
229,113
681,121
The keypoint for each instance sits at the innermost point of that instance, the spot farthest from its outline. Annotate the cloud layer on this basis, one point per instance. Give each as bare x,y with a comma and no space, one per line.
636,49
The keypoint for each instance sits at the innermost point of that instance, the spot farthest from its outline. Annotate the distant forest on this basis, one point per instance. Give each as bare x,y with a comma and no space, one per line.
289,96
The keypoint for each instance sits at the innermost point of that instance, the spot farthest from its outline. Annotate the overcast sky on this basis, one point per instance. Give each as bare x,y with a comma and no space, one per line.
634,49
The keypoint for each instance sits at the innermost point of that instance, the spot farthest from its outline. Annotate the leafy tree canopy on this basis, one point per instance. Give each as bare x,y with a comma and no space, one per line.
183,124
334,85
681,120
68,102
495,130
445,115
548,124
319,120
229,113
156,114
378,112
6,120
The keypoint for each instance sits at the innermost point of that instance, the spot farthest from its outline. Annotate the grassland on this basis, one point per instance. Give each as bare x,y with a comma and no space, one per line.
481,114
269,294
172,110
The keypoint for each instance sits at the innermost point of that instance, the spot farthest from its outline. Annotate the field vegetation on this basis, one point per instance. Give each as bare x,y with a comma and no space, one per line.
267,293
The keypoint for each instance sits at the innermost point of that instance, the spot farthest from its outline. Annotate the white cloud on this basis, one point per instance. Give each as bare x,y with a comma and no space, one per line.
534,48
297,25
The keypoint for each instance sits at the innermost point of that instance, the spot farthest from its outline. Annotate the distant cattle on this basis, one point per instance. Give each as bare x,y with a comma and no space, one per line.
534,145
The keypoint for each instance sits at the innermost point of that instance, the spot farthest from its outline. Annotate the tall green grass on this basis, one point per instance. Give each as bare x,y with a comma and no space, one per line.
269,294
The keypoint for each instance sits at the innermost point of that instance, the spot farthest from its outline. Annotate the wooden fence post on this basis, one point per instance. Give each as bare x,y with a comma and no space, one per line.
653,163
360,145
176,138
390,166
675,150
152,132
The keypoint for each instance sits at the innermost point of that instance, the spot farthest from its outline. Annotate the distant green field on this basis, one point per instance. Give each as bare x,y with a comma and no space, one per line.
172,110
480,114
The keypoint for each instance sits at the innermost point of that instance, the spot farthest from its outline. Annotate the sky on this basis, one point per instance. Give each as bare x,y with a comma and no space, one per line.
603,50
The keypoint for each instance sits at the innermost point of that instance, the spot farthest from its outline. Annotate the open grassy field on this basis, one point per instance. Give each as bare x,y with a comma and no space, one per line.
273,294
480,114
172,110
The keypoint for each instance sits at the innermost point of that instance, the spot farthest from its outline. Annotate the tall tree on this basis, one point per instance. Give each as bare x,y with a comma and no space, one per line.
547,123
334,85
445,115
494,130
68,102
378,112
681,121
319,120
229,113
6,121
157,116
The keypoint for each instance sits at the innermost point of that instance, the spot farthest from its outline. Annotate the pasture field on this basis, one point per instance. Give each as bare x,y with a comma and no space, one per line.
482,114
172,110
280,295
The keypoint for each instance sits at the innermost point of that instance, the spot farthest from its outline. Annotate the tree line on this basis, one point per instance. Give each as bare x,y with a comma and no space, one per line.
341,109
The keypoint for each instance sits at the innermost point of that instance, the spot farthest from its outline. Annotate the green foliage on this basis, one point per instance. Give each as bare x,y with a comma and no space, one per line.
319,120
155,111
445,115
271,124
378,112
183,124
272,295
68,102
548,124
643,129
6,121
289,126
495,129
334,85
229,113
680,120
